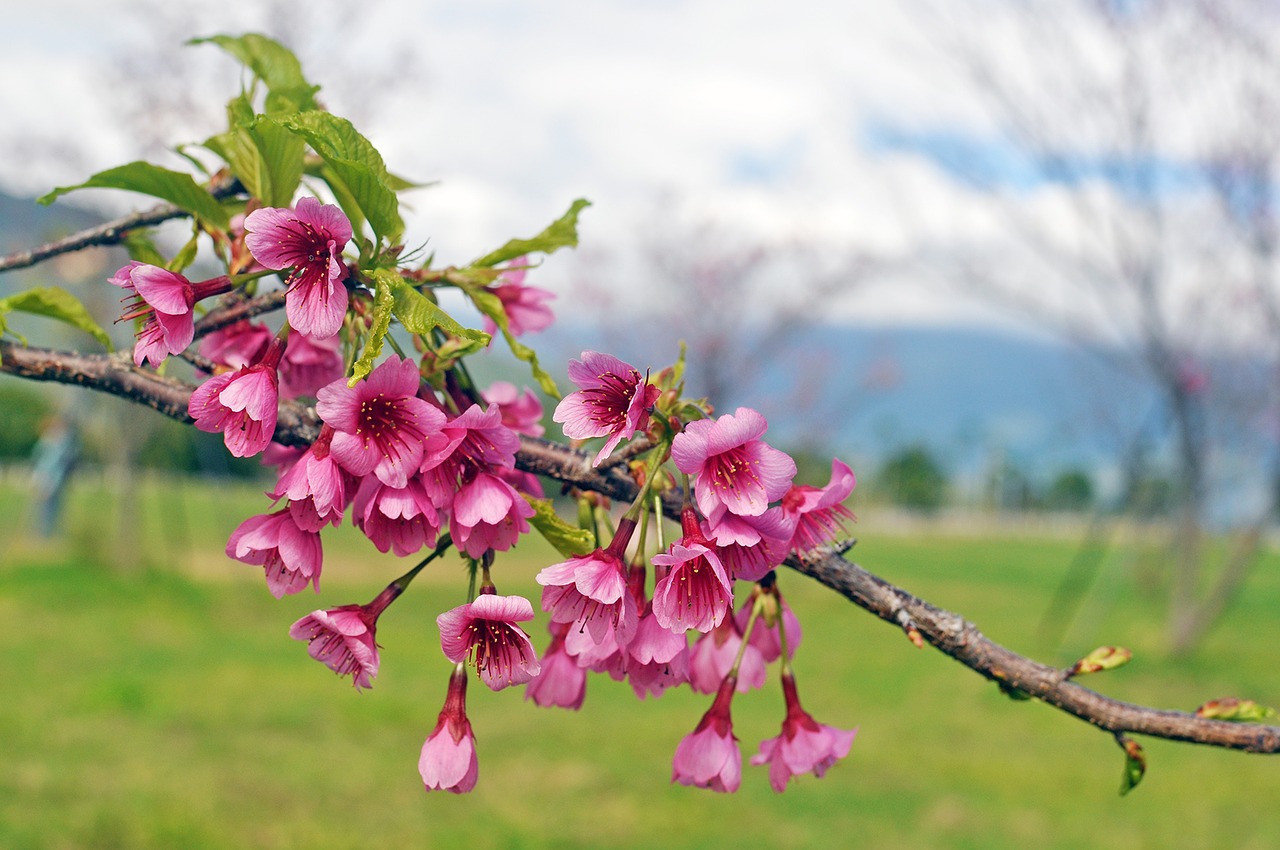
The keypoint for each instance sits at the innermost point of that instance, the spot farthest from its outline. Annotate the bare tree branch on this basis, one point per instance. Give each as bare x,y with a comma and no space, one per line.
946,631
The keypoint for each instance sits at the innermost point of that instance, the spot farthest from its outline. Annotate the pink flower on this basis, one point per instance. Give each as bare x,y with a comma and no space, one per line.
521,411
697,592
818,513
485,630
590,592
804,746
163,300
381,425
342,638
401,519
750,546
560,681
473,441
488,514
448,761
613,400
315,486
290,556
308,239
709,757
768,638
523,304
713,654
242,404
238,345
736,471
309,364
657,658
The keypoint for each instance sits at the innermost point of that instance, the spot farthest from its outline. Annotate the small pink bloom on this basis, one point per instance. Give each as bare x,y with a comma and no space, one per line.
613,400
448,761
485,630
488,514
238,345
309,364
736,471
590,592
696,592
163,300
526,312
750,546
818,514
380,423
315,486
290,556
399,519
242,404
657,658
709,756
342,638
308,239
767,638
804,746
712,657
474,441
521,411
560,681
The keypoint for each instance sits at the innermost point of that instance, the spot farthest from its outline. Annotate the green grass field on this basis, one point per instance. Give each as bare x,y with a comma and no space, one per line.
161,704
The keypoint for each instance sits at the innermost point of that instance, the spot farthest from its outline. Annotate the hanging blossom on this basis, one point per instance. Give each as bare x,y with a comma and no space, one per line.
736,470
768,632
526,312
380,424
309,239
474,441
163,300
613,400
520,411
400,519
804,745
560,681
448,761
696,592
289,556
713,655
242,405
342,638
709,757
750,546
238,344
485,630
590,591
818,514
488,513
309,364
316,487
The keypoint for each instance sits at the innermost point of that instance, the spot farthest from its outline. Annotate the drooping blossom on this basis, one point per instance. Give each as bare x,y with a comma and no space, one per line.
526,312
613,400
485,631
736,470
750,546
242,405
818,514
696,592
448,761
380,424
804,745
290,556
280,456
488,513
343,638
709,757
309,239
316,487
238,345
608,654
474,441
590,591
560,681
309,364
657,658
520,411
163,300
398,519
766,636
712,657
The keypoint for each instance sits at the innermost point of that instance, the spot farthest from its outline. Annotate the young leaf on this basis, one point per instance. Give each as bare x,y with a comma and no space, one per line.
267,158
354,164
55,303
383,299
1102,658
1235,710
562,233
271,62
1135,764
489,304
569,540
172,186
420,315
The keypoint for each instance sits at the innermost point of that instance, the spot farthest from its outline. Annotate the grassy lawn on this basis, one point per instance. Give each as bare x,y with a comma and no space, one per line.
161,704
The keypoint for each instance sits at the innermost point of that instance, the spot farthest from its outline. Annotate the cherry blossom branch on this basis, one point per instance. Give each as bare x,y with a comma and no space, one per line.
948,632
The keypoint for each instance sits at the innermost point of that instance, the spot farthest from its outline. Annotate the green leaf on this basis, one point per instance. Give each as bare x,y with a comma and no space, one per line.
420,315
54,303
1102,658
562,233
1135,764
355,164
1236,710
569,540
383,301
173,186
271,62
142,249
266,157
489,304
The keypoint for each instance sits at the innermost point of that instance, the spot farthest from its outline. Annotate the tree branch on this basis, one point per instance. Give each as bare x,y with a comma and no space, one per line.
948,632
